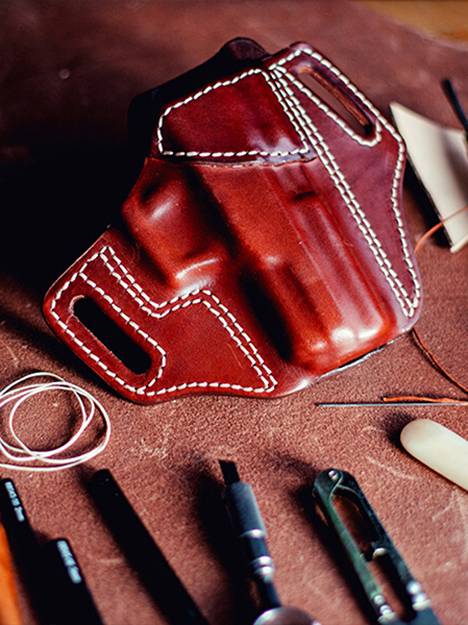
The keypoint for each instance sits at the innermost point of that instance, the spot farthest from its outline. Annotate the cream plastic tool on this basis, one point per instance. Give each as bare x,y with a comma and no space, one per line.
439,448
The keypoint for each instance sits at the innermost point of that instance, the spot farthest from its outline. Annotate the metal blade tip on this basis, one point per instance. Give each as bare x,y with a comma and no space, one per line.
229,471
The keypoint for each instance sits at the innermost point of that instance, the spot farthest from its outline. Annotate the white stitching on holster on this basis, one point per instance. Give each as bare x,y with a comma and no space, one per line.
408,305
230,154
278,80
199,296
303,125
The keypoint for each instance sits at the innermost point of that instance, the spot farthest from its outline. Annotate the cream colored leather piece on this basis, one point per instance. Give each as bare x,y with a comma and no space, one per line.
439,158
439,448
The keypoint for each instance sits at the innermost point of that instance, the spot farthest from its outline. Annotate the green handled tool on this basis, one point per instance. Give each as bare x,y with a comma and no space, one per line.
332,483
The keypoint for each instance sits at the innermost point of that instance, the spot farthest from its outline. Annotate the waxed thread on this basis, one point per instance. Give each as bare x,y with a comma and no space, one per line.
22,457
425,349
420,342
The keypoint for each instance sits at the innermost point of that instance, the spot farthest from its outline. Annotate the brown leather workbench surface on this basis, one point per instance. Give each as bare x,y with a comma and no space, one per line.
67,73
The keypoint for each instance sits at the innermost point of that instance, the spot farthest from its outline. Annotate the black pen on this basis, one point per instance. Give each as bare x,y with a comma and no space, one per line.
143,553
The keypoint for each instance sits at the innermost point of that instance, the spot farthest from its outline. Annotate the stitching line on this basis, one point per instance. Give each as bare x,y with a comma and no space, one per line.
328,111
396,180
398,170
407,304
302,122
230,154
199,296
303,150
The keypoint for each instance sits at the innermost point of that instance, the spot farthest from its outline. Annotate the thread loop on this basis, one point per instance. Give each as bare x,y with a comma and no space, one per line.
20,456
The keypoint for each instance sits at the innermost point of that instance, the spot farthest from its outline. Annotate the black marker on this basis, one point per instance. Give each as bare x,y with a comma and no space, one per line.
143,553
72,603
25,548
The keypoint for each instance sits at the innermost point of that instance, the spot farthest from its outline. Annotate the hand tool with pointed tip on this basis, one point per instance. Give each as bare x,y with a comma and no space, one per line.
73,603
142,552
248,525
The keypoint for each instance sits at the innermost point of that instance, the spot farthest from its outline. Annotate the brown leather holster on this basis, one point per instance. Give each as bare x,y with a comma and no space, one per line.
263,245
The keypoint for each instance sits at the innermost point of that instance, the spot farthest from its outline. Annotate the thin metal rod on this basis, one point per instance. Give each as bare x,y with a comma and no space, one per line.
390,403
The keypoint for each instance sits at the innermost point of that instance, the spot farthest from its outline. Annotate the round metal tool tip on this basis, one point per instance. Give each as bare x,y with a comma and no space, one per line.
285,616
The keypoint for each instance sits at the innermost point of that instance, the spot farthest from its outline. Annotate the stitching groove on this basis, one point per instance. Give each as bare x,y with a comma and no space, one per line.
328,111
303,124
408,305
279,80
197,297
224,83
266,75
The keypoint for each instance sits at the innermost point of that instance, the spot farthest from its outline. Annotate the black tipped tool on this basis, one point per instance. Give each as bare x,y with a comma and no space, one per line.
250,530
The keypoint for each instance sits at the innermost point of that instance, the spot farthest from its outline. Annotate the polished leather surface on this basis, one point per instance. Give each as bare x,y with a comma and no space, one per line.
262,245
165,455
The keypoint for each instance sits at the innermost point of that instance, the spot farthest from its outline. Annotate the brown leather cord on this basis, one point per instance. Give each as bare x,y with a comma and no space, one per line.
429,233
425,349
422,398
435,362
421,343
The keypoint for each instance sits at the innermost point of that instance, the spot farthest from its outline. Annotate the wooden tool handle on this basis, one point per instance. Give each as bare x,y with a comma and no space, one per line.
9,605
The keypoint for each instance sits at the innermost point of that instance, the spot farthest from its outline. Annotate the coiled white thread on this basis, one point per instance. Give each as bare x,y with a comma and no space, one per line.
20,455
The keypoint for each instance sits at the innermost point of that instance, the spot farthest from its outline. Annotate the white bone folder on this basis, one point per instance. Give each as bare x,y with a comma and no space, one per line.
439,448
